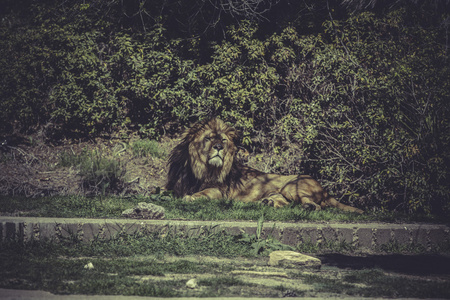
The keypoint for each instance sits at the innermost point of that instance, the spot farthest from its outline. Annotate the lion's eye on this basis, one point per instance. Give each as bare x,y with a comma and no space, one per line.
207,138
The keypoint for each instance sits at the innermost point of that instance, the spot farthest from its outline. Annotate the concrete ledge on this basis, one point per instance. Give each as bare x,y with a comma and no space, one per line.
366,237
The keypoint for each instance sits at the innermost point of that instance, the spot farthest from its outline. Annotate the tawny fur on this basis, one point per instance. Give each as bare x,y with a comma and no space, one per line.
204,165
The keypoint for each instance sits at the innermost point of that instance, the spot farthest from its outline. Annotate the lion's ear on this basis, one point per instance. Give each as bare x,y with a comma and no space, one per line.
233,135
242,154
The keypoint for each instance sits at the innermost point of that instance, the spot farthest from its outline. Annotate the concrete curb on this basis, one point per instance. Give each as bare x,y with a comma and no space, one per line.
363,236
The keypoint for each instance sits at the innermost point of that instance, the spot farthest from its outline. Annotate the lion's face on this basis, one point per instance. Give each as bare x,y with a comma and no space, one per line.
212,150
215,147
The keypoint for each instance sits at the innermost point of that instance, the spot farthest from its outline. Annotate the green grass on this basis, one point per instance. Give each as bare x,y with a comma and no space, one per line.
160,264
146,147
203,209
377,283
65,206
119,264
68,276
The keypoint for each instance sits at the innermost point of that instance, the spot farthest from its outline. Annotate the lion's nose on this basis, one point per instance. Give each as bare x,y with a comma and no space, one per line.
218,146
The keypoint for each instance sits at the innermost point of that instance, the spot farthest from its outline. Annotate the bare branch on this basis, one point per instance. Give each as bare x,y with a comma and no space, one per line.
251,9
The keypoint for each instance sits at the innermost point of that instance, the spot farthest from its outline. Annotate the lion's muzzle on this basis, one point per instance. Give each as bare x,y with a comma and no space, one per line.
216,155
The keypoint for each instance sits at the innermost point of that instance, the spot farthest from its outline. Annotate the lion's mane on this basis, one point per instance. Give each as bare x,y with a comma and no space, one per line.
189,171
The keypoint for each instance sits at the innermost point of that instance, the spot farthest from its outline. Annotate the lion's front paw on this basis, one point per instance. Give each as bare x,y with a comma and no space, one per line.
310,206
275,200
268,202
188,198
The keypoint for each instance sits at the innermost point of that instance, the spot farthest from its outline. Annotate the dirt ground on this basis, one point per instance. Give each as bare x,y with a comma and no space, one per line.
32,168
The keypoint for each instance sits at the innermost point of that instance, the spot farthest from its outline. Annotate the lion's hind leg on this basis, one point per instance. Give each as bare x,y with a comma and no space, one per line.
276,200
330,201
304,191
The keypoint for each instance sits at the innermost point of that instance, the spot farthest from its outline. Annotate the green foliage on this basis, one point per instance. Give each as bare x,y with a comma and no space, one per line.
364,102
238,84
81,75
374,110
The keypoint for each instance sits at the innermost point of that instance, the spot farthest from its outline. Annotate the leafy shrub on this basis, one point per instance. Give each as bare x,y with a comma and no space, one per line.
83,76
238,84
362,106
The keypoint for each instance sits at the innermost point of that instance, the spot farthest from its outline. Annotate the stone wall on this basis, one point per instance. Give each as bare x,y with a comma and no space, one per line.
364,237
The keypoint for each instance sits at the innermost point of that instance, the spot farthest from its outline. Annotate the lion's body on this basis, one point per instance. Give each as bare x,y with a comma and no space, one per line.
203,165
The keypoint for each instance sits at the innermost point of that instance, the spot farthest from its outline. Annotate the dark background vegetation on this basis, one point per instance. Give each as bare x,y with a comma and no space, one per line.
354,92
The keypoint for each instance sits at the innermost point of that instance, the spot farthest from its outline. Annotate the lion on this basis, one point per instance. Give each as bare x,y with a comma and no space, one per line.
204,165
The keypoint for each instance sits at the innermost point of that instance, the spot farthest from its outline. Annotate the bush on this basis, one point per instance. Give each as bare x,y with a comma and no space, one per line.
369,118
362,106
82,75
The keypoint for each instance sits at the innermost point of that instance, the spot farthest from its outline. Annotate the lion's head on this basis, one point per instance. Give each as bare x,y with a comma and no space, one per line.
205,156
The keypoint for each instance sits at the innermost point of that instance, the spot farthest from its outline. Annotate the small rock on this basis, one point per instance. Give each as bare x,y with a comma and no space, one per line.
192,284
293,259
89,266
145,211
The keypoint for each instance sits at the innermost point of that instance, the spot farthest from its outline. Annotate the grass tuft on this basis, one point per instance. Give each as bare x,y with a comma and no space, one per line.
99,173
146,147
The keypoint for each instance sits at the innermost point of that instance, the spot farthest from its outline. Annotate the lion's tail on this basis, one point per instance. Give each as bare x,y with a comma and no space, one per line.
333,202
